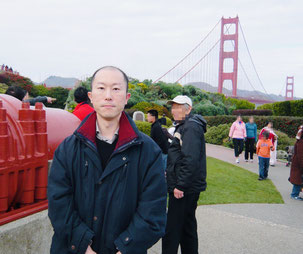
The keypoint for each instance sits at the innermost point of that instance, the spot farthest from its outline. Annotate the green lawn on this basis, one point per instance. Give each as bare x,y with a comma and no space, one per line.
228,184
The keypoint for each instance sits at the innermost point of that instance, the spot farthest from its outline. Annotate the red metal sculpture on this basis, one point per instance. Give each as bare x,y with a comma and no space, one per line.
28,139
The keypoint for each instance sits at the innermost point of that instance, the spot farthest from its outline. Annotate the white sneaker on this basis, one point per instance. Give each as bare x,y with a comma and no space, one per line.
246,160
237,161
251,161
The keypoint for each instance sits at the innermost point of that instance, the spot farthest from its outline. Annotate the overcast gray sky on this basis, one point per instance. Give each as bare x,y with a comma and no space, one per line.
72,38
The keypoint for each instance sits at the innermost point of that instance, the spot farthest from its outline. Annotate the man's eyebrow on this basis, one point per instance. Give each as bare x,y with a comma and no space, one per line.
113,84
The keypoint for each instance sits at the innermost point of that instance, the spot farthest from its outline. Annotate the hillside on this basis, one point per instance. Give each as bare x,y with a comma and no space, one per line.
240,93
54,81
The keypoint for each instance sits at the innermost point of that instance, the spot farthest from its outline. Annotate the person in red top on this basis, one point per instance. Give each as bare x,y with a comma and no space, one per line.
83,108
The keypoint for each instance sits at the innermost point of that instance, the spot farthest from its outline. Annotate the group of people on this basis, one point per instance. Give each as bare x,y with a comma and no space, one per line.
8,69
246,134
266,149
108,183
266,143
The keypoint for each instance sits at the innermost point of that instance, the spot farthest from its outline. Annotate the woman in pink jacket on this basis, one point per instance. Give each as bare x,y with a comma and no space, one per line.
237,132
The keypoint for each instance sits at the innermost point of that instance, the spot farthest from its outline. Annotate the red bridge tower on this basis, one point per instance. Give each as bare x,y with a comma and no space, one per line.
289,95
225,37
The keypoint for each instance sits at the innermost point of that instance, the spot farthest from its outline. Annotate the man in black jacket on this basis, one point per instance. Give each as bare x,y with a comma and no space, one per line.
186,178
22,95
106,189
157,134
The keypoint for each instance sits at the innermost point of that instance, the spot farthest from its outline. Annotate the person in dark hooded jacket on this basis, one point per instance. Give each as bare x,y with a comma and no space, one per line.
106,189
186,178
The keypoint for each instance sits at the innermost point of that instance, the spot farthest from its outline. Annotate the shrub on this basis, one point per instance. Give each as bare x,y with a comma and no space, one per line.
216,134
208,109
241,104
285,108
288,125
145,106
3,88
296,108
281,108
253,112
266,106
144,127
284,140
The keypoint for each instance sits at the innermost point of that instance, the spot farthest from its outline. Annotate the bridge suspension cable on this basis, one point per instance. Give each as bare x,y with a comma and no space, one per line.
200,60
255,69
188,53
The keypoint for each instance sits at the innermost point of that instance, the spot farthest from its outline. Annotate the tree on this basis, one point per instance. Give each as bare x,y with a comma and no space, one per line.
39,90
60,94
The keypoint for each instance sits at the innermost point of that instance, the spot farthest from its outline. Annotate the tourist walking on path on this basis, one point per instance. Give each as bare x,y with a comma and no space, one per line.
83,108
264,147
274,139
251,139
186,178
237,133
106,189
296,171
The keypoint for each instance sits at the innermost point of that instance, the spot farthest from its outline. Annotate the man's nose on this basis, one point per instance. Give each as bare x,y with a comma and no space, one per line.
108,94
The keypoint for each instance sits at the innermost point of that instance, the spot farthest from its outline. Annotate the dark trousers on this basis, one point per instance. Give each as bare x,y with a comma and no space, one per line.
263,167
238,146
181,228
249,148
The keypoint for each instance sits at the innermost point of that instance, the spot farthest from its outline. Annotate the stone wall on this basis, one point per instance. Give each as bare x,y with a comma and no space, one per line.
29,235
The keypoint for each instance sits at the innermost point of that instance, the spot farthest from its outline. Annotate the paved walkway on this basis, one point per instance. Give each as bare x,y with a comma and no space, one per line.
250,228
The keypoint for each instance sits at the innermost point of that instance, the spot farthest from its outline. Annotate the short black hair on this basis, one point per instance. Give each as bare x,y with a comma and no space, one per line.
265,134
80,94
110,67
269,122
154,113
16,91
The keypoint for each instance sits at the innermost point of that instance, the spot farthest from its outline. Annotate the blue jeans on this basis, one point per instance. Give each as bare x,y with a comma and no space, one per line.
164,157
263,167
296,189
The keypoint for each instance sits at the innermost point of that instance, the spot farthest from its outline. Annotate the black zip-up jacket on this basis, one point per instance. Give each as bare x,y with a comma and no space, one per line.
121,206
186,164
159,137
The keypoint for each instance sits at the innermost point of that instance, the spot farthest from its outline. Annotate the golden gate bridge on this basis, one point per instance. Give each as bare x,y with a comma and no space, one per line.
223,60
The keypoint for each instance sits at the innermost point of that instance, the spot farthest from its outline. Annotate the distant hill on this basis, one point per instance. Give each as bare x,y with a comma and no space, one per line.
240,93
54,81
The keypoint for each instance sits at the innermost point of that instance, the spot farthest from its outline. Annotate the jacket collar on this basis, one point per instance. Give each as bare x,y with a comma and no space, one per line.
127,129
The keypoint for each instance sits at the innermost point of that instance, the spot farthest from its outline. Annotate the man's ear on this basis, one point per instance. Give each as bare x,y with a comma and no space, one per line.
128,95
89,94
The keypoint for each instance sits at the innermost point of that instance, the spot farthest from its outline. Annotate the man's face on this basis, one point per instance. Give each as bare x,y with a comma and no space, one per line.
179,111
108,94
150,118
